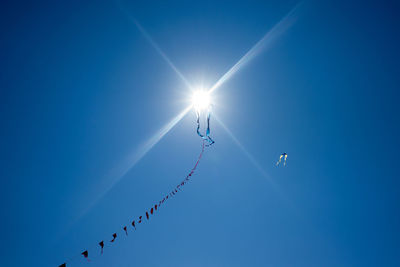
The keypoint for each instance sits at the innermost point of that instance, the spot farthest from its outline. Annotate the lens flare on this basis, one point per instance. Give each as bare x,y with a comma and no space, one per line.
200,100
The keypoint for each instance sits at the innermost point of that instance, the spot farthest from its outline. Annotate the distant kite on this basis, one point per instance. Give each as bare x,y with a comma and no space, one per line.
284,157
126,230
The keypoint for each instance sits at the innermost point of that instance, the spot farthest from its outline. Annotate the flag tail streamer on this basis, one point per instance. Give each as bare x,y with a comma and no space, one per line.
155,208
205,137
279,161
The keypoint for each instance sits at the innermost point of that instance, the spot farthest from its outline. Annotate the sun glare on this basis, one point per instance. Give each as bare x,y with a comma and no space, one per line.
200,99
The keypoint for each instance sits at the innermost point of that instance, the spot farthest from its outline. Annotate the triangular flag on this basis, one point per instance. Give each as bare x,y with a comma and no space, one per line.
114,237
85,254
101,244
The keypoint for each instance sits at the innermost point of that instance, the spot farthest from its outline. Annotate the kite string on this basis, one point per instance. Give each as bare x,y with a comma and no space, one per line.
73,258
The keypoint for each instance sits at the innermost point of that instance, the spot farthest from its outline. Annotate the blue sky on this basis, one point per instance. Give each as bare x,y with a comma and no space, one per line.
82,91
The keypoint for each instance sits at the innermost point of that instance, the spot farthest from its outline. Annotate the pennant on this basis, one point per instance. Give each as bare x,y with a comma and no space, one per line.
126,231
101,244
151,211
85,254
147,215
114,237
133,224
140,219
155,206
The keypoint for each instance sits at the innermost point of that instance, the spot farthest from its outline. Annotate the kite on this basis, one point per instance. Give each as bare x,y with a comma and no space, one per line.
284,157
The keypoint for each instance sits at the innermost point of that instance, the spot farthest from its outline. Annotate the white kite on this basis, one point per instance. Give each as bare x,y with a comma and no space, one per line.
284,157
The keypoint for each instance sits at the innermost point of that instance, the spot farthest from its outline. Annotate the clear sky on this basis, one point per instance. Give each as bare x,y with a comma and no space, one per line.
82,91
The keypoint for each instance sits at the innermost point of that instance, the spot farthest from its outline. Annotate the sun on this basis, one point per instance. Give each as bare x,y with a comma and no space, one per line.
201,100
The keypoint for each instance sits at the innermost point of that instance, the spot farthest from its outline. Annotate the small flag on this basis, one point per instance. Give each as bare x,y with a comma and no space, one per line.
101,244
114,237
85,254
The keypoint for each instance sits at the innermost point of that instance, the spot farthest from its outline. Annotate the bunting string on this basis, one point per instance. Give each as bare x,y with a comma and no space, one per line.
100,247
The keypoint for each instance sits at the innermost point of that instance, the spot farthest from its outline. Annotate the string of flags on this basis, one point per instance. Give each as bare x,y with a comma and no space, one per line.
148,213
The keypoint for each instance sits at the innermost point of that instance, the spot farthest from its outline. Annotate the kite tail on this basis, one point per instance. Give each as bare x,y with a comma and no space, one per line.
198,125
284,161
208,124
208,130
279,161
